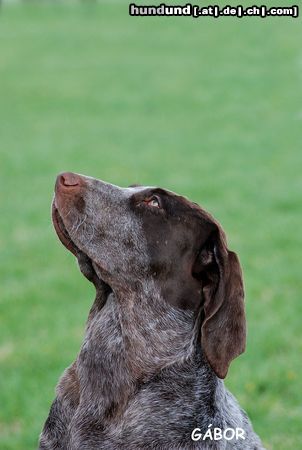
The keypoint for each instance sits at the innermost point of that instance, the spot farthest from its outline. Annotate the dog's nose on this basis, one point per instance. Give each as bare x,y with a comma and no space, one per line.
68,181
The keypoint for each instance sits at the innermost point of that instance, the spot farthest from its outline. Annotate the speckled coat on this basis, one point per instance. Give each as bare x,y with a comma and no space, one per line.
167,320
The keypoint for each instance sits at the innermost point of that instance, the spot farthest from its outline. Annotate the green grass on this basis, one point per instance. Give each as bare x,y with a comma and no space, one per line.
208,108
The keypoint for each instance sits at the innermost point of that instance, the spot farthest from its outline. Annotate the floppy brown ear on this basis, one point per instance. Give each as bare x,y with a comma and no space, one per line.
223,331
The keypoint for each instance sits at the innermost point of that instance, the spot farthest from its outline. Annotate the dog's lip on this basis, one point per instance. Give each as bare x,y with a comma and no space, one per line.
61,230
68,242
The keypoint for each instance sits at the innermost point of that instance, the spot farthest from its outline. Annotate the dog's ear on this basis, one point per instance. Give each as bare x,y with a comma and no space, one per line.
223,330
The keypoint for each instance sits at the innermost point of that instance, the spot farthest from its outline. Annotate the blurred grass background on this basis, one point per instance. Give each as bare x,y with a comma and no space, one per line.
208,108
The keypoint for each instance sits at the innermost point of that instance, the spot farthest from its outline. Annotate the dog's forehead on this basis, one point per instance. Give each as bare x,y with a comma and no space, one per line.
132,190
135,188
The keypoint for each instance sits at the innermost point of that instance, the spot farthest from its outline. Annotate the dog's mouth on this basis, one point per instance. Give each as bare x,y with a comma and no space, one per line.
87,267
61,231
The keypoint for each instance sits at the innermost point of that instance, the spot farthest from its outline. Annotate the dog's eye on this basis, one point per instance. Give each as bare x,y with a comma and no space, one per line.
153,201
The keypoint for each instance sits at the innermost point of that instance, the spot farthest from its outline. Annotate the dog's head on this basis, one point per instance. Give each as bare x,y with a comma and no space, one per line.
126,236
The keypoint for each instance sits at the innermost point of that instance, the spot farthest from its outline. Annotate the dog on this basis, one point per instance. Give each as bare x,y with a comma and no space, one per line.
167,320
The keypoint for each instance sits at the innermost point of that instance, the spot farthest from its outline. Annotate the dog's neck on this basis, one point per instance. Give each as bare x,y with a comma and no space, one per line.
155,334
128,341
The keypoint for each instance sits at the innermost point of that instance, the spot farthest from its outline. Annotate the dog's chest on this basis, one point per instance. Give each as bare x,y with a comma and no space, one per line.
160,415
